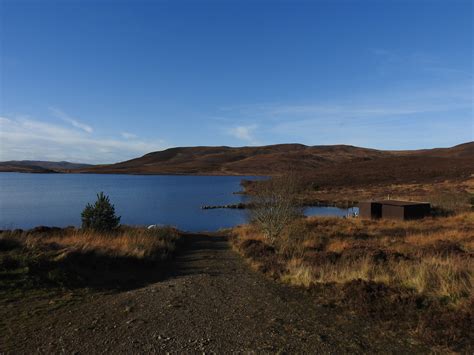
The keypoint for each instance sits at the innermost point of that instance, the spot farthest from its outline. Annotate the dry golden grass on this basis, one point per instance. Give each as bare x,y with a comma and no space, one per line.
433,256
138,243
128,242
298,273
440,276
248,232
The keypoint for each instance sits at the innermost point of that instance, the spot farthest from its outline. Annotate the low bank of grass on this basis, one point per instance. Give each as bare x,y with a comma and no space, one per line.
420,273
74,258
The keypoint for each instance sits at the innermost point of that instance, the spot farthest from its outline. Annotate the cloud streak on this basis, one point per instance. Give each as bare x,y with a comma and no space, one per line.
368,106
392,120
29,139
128,135
244,133
65,117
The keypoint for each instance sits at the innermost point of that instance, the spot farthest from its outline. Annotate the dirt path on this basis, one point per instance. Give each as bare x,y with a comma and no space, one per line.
210,302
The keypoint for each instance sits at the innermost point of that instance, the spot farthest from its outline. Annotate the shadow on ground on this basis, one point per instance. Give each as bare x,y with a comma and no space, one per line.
195,251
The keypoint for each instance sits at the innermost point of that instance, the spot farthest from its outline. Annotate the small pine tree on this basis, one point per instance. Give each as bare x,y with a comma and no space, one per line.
100,216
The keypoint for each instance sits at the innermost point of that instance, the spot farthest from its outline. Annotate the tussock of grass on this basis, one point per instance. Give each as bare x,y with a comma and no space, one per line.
449,277
299,274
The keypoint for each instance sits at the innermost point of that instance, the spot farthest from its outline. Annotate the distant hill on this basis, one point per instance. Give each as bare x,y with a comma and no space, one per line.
464,150
34,166
275,159
332,164
237,161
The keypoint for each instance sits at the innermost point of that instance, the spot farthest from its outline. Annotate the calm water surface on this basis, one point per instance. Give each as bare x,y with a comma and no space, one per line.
29,200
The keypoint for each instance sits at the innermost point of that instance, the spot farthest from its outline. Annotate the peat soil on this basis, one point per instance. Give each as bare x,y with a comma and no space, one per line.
209,301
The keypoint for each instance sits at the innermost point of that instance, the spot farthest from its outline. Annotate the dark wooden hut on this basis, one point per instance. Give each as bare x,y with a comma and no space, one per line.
370,209
405,209
393,209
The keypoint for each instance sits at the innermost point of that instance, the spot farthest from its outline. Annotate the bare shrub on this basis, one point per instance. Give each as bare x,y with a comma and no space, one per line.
291,242
275,205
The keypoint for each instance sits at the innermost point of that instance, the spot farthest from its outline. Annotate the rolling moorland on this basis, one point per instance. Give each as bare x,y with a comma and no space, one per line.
276,159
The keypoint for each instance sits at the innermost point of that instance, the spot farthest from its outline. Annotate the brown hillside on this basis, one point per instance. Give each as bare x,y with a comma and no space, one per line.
336,162
395,170
264,160
7,167
464,150
37,166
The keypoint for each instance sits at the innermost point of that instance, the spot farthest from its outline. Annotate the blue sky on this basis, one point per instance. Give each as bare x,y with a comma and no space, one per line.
104,81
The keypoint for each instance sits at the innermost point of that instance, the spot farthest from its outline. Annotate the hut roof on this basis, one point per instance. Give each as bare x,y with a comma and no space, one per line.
400,203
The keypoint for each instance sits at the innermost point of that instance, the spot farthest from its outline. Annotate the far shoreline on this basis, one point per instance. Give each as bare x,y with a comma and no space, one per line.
133,173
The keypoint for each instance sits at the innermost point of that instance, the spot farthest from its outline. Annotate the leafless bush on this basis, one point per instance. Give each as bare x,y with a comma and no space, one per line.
275,205
290,242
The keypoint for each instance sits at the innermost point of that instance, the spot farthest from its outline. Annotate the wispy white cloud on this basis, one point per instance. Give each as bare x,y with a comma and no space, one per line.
395,119
128,135
65,117
394,103
244,133
413,58
431,64
31,139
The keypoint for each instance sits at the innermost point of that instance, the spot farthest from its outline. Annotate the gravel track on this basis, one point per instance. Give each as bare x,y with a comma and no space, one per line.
209,301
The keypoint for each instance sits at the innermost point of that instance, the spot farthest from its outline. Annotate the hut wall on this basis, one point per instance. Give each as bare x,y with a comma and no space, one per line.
417,211
393,212
370,209
393,209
